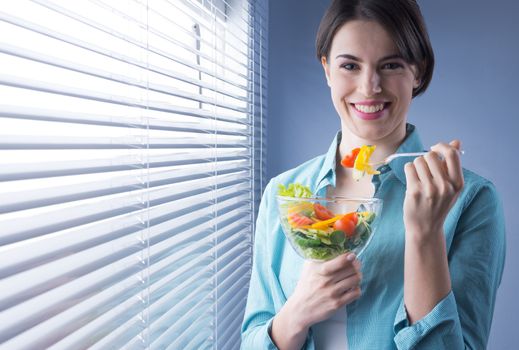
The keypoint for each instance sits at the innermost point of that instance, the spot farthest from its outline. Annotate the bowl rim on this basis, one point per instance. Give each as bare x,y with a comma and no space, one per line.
332,199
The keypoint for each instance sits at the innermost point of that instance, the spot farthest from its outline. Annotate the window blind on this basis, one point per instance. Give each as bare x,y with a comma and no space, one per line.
132,158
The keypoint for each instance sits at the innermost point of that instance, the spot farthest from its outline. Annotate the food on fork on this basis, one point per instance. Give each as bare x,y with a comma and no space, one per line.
358,160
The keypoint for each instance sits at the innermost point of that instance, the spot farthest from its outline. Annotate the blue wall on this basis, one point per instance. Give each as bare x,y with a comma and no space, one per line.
473,97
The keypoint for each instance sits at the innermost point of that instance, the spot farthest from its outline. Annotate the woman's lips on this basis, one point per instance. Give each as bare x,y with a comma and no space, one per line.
371,110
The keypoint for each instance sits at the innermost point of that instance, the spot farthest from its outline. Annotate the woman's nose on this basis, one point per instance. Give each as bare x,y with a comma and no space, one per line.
369,84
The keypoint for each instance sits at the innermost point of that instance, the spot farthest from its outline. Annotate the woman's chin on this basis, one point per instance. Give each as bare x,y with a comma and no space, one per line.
373,131
368,133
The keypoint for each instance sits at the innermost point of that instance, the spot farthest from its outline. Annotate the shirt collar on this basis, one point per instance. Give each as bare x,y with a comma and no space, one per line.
412,143
329,161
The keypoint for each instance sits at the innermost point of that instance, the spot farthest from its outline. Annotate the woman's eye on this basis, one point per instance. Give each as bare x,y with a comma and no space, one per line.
392,66
349,66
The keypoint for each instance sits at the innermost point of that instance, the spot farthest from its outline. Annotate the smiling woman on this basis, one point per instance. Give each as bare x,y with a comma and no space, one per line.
440,233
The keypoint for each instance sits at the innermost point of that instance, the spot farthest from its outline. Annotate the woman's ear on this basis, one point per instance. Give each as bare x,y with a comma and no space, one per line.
417,83
417,77
326,68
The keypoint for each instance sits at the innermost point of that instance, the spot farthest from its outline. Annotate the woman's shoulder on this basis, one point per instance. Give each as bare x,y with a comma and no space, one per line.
475,186
474,180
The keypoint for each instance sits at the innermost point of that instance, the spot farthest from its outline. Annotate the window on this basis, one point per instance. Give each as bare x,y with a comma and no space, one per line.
131,166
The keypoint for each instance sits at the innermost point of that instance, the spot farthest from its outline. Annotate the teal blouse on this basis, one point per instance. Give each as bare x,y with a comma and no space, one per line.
475,236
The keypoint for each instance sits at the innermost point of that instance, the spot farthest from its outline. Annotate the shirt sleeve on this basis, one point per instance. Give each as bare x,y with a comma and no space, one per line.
463,318
260,309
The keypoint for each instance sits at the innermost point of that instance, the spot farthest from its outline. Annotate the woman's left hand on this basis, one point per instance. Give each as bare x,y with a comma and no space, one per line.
434,181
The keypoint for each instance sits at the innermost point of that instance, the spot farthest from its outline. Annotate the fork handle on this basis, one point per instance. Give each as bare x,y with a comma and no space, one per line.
398,155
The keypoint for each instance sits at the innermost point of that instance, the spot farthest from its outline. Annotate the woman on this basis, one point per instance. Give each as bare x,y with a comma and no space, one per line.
430,274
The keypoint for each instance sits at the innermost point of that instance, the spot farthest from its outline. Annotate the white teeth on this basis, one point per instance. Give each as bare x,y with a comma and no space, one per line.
369,109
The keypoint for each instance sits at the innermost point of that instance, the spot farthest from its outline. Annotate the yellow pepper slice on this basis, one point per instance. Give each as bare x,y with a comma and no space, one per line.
362,162
325,223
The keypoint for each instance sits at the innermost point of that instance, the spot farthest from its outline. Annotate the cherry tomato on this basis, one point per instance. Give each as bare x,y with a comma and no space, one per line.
322,213
347,224
349,160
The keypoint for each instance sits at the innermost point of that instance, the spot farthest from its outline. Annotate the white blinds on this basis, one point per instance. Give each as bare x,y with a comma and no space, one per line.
131,165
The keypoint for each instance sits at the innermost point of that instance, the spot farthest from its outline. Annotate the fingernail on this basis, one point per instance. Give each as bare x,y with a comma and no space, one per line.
350,257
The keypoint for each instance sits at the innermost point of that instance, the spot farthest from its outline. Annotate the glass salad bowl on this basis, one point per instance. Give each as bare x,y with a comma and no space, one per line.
323,228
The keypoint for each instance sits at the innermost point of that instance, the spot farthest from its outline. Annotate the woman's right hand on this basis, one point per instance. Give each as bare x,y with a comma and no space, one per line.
324,287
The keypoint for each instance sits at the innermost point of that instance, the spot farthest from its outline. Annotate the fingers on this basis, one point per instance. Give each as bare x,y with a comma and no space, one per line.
452,161
332,284
337,265
348,272
411,175
348,283
423,172
438,169
340,268
350,295
347,297
345,290
456,144
343,298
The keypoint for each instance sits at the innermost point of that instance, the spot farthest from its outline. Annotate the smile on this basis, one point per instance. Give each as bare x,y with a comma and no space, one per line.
370,110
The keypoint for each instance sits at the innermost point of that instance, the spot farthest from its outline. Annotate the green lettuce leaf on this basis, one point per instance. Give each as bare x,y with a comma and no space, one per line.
294,190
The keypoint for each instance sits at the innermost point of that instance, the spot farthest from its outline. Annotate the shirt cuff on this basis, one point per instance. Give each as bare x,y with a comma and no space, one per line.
407,336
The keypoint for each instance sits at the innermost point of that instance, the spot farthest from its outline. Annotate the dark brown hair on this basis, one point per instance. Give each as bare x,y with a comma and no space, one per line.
403,21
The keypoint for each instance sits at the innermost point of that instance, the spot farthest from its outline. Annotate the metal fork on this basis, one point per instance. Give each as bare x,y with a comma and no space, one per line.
398,155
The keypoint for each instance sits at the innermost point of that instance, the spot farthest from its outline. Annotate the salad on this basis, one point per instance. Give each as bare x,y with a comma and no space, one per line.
315,231
358,159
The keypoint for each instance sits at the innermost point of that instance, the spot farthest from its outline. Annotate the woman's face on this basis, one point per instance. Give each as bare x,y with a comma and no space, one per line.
371,85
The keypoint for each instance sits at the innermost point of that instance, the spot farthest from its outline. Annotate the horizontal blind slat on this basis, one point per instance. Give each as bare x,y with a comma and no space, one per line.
117,34
19,142
180,230
183,266
237,307
82,93
17,229
169,38
141,122
118,63
202,9
179,321
128,102
232,335
107,75
128,162
109,53
121,315
130,181
239,28
99,285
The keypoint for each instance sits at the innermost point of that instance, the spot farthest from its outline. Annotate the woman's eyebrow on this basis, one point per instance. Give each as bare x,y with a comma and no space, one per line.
351,57
354,58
